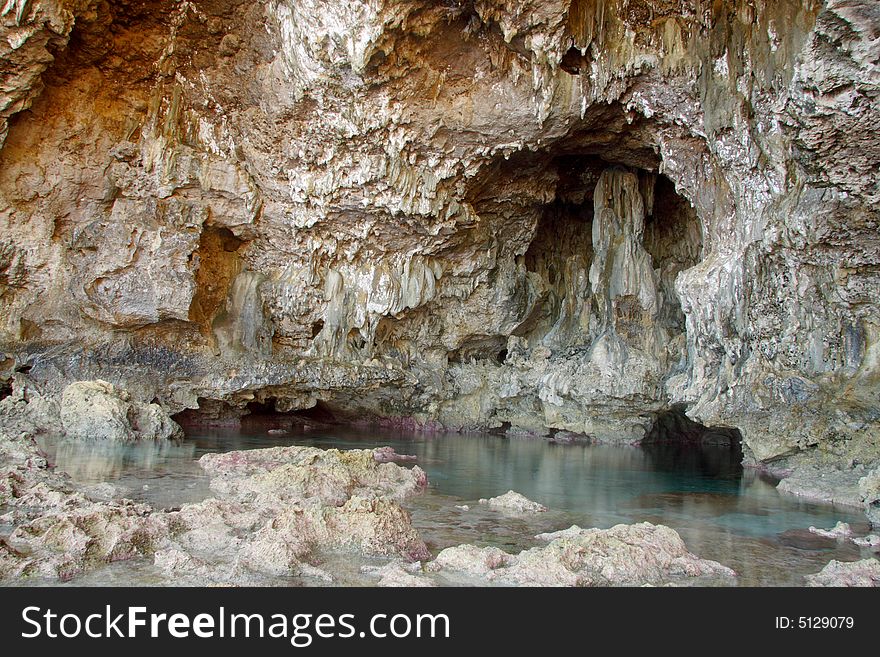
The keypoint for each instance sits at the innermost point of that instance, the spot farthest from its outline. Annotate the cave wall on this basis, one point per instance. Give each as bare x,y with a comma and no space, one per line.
563,215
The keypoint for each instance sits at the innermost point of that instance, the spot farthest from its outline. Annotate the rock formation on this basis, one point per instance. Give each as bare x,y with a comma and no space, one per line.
624,555
560,215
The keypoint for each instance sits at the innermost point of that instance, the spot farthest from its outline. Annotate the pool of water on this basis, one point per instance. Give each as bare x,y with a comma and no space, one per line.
723,512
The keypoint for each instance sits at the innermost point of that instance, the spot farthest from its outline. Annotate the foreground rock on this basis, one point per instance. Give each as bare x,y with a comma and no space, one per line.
397,575
869,541
625,555
513,501
856,573
276,508
60,532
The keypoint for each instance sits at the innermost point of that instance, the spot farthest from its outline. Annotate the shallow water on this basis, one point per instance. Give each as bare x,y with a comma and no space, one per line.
723,512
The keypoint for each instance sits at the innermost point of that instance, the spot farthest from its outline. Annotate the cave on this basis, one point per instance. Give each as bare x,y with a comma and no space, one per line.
217,263
554,190
673,426
210,413
677,443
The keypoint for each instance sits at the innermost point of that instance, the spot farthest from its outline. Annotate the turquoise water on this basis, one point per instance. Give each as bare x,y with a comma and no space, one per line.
722,511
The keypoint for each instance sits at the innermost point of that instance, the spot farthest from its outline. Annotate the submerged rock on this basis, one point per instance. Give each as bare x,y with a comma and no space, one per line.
627,555
840,530
388,455
856,573
513,501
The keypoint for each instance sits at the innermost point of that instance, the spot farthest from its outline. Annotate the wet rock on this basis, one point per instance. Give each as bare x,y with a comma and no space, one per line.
65,541
278,507
182,568
826,482
856,573
625,555
840,530
388,455
59,532
572,532
285,473
275,509
869,541
513,501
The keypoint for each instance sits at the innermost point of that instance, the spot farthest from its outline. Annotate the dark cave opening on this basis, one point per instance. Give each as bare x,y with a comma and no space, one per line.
675,427
210,413
261,408
258,413
218,264
575,62
677,443
321,412
562,251
491,348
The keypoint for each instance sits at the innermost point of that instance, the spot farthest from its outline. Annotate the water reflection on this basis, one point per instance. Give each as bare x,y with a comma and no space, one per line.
96,462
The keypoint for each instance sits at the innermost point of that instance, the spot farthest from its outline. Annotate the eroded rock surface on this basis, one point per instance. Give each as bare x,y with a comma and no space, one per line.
276,507
97,410
513,501
624,555
856,573
57,530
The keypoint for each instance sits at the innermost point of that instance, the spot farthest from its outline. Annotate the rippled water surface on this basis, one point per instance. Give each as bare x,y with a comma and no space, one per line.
723,512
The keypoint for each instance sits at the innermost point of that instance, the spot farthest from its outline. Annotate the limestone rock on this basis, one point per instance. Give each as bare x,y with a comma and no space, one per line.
394,575
276,507
97,410
840,530
856,573
277,510
869,487
470,559
513,501
869,541
288,473
624,555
